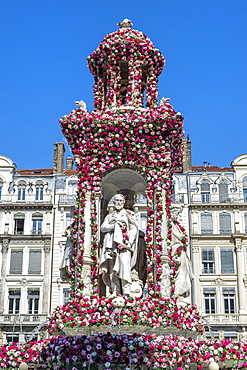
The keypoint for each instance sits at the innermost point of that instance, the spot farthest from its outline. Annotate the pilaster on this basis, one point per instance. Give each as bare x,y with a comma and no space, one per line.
5,248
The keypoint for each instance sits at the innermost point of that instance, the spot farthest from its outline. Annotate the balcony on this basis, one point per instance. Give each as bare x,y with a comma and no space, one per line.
217,198
225,319
16,319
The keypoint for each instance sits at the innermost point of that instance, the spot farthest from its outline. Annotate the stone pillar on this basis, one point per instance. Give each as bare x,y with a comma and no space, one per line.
5,248
240,275
166,271
47,267
196,298
69,163
87,261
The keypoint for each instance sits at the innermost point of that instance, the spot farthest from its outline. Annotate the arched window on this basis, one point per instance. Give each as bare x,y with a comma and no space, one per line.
245,222
21,194
245,188
225,223
205,191
39,190
223,191
206,223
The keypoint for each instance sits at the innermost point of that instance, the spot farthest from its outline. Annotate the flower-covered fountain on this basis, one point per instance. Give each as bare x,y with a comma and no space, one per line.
128,264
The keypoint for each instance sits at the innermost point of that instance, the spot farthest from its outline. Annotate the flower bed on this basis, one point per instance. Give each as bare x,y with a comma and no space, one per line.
158,352
149,312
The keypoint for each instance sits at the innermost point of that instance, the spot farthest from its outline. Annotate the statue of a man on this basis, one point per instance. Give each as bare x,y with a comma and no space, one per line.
184,273
119,247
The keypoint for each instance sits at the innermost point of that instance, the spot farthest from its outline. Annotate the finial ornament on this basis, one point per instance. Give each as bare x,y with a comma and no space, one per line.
126,23
163,101
81,104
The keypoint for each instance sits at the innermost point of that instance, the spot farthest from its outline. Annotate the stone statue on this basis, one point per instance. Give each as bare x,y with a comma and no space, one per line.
119,252
184,273
66,262
243,335
81,104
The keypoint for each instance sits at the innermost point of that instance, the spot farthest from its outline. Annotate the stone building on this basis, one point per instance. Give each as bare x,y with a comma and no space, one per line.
35,209
214,202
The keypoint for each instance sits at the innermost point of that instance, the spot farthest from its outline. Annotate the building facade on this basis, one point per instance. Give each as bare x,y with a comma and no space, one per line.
36,207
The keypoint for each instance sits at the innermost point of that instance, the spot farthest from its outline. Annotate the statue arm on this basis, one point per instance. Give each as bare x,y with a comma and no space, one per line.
108,224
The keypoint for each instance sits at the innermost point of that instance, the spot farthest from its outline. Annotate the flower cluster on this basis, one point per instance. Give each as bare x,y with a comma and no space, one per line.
152,312
158,352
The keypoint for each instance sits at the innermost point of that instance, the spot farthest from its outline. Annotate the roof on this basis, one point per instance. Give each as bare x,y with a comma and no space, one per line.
36,172
210,169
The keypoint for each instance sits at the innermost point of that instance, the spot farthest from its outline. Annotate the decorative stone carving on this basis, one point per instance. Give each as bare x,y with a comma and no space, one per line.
86,278
81,104
66,262
5,245
243,335
164,101
47,246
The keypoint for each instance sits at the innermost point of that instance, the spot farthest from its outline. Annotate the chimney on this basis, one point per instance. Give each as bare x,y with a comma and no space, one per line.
187,166
58,160
69,163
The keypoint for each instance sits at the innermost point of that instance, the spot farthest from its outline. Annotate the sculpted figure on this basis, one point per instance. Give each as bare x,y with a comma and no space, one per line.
66,262
119,247
184,273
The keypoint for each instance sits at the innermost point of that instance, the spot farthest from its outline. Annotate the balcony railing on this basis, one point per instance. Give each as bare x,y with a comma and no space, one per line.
225,318
21,318
217,198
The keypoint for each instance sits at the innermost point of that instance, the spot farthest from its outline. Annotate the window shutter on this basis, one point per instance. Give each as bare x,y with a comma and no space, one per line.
227,265
34,266
206,223
16,262
245,222
225,223
205,185
223,191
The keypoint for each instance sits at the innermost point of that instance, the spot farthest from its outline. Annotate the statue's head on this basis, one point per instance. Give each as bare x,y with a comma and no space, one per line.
118,201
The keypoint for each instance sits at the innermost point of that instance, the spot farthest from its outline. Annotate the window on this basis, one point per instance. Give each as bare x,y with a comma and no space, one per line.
245,188
245,222
21,193
226,258
72,184
229,300
209,297
37,225
39,192
206,223
223,191
1,188
34,265
225,223
66,295
12,338
14,301
33,301
16,259
19,224
205,191
143,221
208,263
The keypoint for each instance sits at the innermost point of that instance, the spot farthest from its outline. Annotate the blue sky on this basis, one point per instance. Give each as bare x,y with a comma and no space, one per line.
44,46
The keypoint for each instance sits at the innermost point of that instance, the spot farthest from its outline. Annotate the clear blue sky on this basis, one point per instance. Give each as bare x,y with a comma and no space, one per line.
44,46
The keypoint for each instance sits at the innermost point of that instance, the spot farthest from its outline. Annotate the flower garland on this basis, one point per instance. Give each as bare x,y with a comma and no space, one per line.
150,311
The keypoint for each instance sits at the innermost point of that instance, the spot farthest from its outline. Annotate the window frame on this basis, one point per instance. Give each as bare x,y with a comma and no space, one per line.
207,268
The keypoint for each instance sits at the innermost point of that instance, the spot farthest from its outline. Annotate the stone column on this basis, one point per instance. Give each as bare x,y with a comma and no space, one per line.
240,274
5,248
165,277
196,299
47,267
87,261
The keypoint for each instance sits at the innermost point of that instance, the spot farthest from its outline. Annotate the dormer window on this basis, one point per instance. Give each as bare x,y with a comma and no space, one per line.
205,191
21,190
245,188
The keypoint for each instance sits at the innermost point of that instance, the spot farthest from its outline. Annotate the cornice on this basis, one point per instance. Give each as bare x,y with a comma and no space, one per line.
24,205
